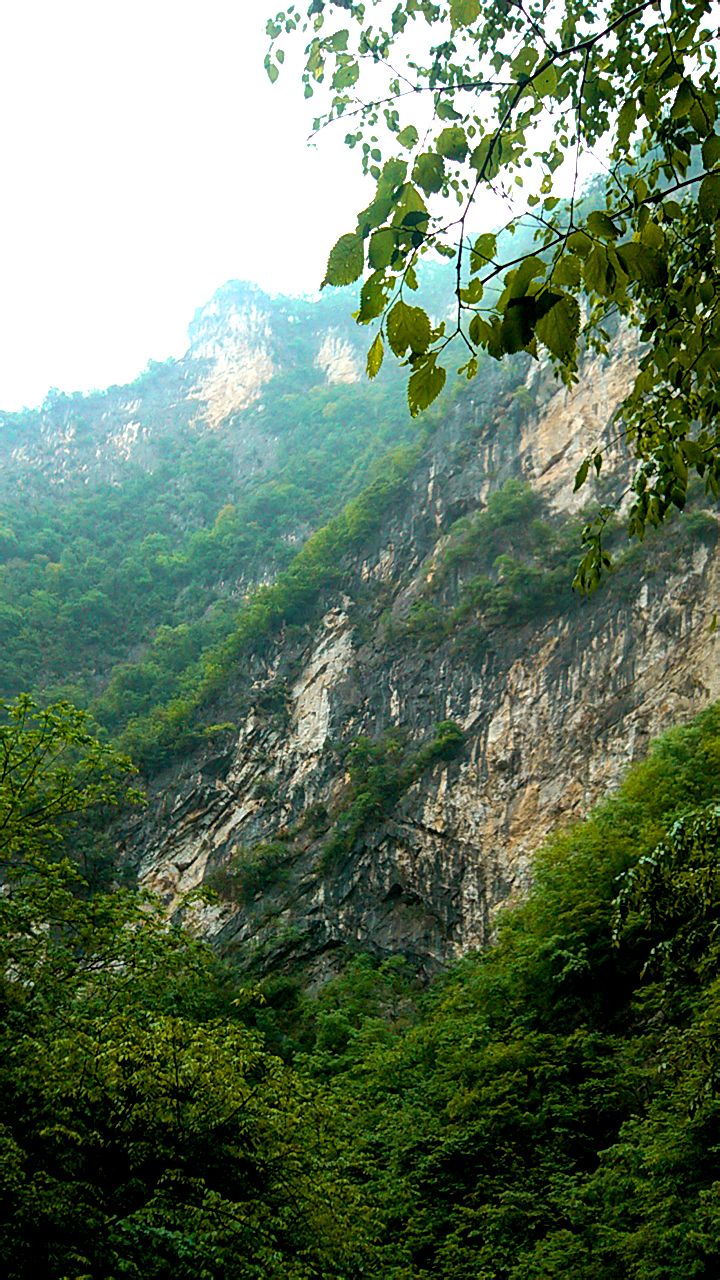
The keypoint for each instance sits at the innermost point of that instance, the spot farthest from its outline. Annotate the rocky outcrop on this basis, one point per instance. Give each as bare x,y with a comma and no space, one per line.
553,710
240,342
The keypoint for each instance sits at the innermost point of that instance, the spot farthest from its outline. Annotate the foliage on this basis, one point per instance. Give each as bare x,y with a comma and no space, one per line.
547,1108
503,566
52,770
380,772
144,1130
552,1109
450,100
171,723
250,871
111,593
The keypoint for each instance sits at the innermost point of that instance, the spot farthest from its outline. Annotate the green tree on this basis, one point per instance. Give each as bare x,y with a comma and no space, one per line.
144,1130
53,769
449,100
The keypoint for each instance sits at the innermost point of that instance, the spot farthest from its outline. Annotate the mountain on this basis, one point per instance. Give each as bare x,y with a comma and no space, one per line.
343,648
394,760
157,505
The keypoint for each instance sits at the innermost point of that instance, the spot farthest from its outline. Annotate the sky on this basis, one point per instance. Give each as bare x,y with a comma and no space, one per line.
145,160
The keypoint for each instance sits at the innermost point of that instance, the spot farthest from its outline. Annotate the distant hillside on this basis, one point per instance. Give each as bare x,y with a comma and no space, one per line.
133,520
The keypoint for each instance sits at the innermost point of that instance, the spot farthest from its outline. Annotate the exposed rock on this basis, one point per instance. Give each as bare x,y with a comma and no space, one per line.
553,712
338,359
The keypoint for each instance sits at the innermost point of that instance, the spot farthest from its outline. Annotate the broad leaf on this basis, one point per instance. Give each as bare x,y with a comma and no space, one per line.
452,143
346,261
558,329
408,137
709,197
375,356
429,172
601,224
463,12
408,328
425,384
482,252
382,248
518,324
642,263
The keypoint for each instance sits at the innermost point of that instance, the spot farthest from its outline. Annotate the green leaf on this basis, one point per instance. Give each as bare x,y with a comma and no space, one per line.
684,99
346,261
382,248
545,82
452,143
518,281
711,151
407,206
346,76
429,172
373,297
479,330
426,382
652,235
581,475
376,212
393,175
601,224
579,243
518,324
626,121
485,158
643,263
375,356
524,62
558,329
483,251
272,71
463,13
567,270
692,452
408,328
473,293
598,273
709,197
444,110
408,137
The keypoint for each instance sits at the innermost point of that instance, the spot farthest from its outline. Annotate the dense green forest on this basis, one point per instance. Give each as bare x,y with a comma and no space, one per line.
181,558
88,576
545,1108
548,1108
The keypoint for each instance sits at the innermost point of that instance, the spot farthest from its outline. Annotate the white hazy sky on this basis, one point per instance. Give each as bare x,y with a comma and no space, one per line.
145,160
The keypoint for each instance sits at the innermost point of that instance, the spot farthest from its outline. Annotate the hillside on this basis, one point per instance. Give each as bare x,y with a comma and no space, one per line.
343,648
133,519
399,744
373,721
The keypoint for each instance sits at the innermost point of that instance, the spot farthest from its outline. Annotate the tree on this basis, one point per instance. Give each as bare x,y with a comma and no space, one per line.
144,1130
449,100
53,769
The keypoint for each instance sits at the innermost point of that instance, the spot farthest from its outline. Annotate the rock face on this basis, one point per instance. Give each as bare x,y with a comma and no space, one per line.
238,343
552,701
552,710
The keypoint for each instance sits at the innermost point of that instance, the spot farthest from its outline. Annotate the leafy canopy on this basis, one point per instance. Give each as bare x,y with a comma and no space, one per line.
144,1131
449,101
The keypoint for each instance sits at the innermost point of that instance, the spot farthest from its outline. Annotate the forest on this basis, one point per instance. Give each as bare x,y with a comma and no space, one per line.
549,1107
541,1098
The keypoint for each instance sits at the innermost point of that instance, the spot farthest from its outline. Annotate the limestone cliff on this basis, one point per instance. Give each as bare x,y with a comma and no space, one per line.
239,342
553,708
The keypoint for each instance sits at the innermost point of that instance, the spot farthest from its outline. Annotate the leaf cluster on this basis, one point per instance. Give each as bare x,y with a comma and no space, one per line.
454,100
